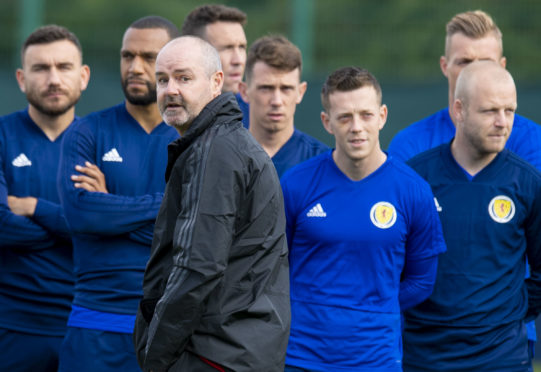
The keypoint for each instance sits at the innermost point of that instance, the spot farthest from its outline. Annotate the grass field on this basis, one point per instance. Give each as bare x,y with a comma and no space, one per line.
537,366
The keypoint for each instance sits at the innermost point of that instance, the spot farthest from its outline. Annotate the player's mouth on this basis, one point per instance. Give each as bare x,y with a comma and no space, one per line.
357,142
54,93
275,116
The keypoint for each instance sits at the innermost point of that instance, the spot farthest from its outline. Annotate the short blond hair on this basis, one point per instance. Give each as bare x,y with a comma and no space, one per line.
473,24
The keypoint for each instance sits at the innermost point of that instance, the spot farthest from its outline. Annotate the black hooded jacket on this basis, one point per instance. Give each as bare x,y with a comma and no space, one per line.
217,282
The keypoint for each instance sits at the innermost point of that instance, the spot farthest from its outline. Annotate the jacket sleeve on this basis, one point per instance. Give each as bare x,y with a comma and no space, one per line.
96,212
18,231
204,231
533,251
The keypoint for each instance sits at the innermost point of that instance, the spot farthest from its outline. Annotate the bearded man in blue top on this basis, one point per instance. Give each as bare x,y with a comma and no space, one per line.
111,183
489,203
471,36
36,269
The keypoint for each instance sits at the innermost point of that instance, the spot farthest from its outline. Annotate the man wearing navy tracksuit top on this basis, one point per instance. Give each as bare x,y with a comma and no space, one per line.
112,182
471,36
489,202
36,270
273,90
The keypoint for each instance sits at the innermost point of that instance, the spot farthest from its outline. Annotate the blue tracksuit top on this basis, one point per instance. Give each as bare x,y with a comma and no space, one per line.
437,129
490,223
112,232
298,148
36,270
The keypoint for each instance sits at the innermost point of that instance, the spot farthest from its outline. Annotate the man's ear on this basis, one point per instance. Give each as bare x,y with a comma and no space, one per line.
383,112
217,82
243,87
458,111
503,62
443,65
325,119
302,90
85,76
19,74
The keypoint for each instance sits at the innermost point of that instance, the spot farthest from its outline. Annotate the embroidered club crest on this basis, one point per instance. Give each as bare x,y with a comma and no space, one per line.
383,215
501,209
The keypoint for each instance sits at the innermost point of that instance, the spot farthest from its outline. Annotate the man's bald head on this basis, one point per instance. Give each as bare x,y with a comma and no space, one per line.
188,77
484,108
197,47
477,76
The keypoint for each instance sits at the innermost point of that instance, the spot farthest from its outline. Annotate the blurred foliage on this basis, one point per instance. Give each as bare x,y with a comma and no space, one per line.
395,39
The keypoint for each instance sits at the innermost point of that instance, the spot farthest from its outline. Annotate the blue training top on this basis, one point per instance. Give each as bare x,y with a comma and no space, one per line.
112,233
36,269
298,148
349,241
489,222
437,129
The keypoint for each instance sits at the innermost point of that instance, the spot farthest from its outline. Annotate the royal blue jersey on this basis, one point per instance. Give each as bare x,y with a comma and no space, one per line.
349,241
298,148
437,129
36,270
489,222
112,232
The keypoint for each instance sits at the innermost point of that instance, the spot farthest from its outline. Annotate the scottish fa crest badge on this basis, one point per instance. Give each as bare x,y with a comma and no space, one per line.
383,215
501,209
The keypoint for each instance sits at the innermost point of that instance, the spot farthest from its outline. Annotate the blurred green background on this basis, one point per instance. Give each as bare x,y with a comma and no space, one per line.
399,41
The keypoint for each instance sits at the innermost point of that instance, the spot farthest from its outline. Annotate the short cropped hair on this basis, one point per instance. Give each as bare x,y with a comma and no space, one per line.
154,21
275,51
346,79
474,24
196,22
48,34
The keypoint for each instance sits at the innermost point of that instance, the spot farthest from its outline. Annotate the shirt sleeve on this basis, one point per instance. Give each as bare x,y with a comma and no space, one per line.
143,234
96,212
51,216
418,283
525,139
18,231
201,246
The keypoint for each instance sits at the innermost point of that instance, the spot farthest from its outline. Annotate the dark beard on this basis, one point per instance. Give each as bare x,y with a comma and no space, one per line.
51,111
140,100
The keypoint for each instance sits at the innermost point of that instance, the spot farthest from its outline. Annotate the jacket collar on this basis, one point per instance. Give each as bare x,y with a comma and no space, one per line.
222,109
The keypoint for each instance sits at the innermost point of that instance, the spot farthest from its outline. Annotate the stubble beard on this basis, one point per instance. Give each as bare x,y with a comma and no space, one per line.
38,103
